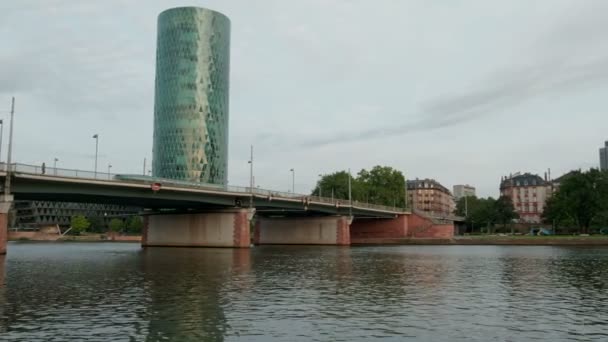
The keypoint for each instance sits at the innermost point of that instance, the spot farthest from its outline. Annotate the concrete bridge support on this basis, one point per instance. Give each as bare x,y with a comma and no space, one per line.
224,228
332,230
5,206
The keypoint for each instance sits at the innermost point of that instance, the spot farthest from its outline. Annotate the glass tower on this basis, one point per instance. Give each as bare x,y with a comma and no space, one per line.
191,96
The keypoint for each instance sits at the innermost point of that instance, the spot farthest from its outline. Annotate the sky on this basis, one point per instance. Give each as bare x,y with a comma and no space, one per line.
464,92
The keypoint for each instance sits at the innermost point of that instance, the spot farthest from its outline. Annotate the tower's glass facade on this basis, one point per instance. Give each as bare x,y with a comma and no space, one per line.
191,96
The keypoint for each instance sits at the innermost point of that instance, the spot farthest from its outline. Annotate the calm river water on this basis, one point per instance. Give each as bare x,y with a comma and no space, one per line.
119,292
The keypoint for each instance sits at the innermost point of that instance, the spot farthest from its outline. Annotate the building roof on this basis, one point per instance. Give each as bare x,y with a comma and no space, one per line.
426,184
519,180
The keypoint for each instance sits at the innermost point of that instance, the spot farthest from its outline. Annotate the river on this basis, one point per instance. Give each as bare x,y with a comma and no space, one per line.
119,292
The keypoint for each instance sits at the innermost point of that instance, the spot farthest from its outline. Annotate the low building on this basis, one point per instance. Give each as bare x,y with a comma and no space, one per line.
529,193
36,214
465,190
604,157
430,196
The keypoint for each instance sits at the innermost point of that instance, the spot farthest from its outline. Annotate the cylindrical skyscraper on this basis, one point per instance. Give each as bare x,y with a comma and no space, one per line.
191,96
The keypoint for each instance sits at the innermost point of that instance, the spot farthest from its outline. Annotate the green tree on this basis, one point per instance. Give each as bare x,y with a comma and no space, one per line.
116,225
79,224
97,224
479,213
383,185
380,185
505,211
581,200
335,184
135,225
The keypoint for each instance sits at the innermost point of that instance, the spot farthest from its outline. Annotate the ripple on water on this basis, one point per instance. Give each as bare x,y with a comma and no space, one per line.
101,292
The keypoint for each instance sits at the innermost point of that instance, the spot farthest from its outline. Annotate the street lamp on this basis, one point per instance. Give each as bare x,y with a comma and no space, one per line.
1,129
251,178
293,180
250,162
55,166
320,185
96,137
109,167
7,178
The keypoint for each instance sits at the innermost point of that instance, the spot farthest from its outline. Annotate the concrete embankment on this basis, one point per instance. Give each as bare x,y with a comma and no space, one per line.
493,241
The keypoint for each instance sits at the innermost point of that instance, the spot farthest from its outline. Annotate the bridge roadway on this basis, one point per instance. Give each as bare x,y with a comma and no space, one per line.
27,184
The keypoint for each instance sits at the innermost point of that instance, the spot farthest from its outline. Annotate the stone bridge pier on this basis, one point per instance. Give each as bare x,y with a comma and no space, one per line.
5,205
329,230
221,228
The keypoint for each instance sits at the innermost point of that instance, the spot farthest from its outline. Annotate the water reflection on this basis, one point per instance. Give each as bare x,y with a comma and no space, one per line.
186,291
119,292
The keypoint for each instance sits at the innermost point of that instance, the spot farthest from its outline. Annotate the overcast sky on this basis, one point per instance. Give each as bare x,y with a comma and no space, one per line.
459,91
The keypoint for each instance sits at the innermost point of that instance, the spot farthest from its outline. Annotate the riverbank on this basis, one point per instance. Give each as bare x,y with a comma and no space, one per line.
40,236
495,240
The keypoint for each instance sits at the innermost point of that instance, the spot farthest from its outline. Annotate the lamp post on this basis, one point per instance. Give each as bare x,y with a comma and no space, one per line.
7,182
96,137
109,167
55,166
350,197
251,178
320,185
1,129
293,180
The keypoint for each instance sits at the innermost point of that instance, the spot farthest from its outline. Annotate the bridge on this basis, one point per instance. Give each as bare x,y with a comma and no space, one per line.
193,214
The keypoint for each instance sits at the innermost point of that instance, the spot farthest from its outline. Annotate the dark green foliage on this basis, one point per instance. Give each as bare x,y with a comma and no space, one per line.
134,225
116,225
79,224
580,201
97,224
486,212
381,185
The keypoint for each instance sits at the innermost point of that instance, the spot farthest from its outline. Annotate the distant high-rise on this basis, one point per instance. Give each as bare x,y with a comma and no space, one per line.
191,96
604,157
463,190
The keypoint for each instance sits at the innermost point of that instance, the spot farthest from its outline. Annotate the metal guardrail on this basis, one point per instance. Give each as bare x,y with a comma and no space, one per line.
105,176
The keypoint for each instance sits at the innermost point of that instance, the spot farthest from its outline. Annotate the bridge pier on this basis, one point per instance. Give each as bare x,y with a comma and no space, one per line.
5,205
331,230
223,228
404,226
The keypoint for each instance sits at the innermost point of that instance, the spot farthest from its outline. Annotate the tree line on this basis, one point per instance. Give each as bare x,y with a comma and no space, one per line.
81,224
381,185
580,203
487,214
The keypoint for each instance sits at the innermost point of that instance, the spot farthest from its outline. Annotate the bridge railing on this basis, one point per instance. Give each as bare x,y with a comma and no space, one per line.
59,172
81,174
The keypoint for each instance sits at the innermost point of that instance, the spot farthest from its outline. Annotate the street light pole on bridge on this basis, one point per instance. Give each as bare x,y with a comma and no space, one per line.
96,137
251,178
7,182
293,180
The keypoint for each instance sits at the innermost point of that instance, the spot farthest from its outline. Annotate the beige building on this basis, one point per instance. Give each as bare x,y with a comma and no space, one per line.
529,194
465,190
430,196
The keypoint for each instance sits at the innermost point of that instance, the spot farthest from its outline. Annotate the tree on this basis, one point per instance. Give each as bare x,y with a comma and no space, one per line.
335,184
381,185
79,224
505,211
581,200
480,212
97,224
116,225
135,224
